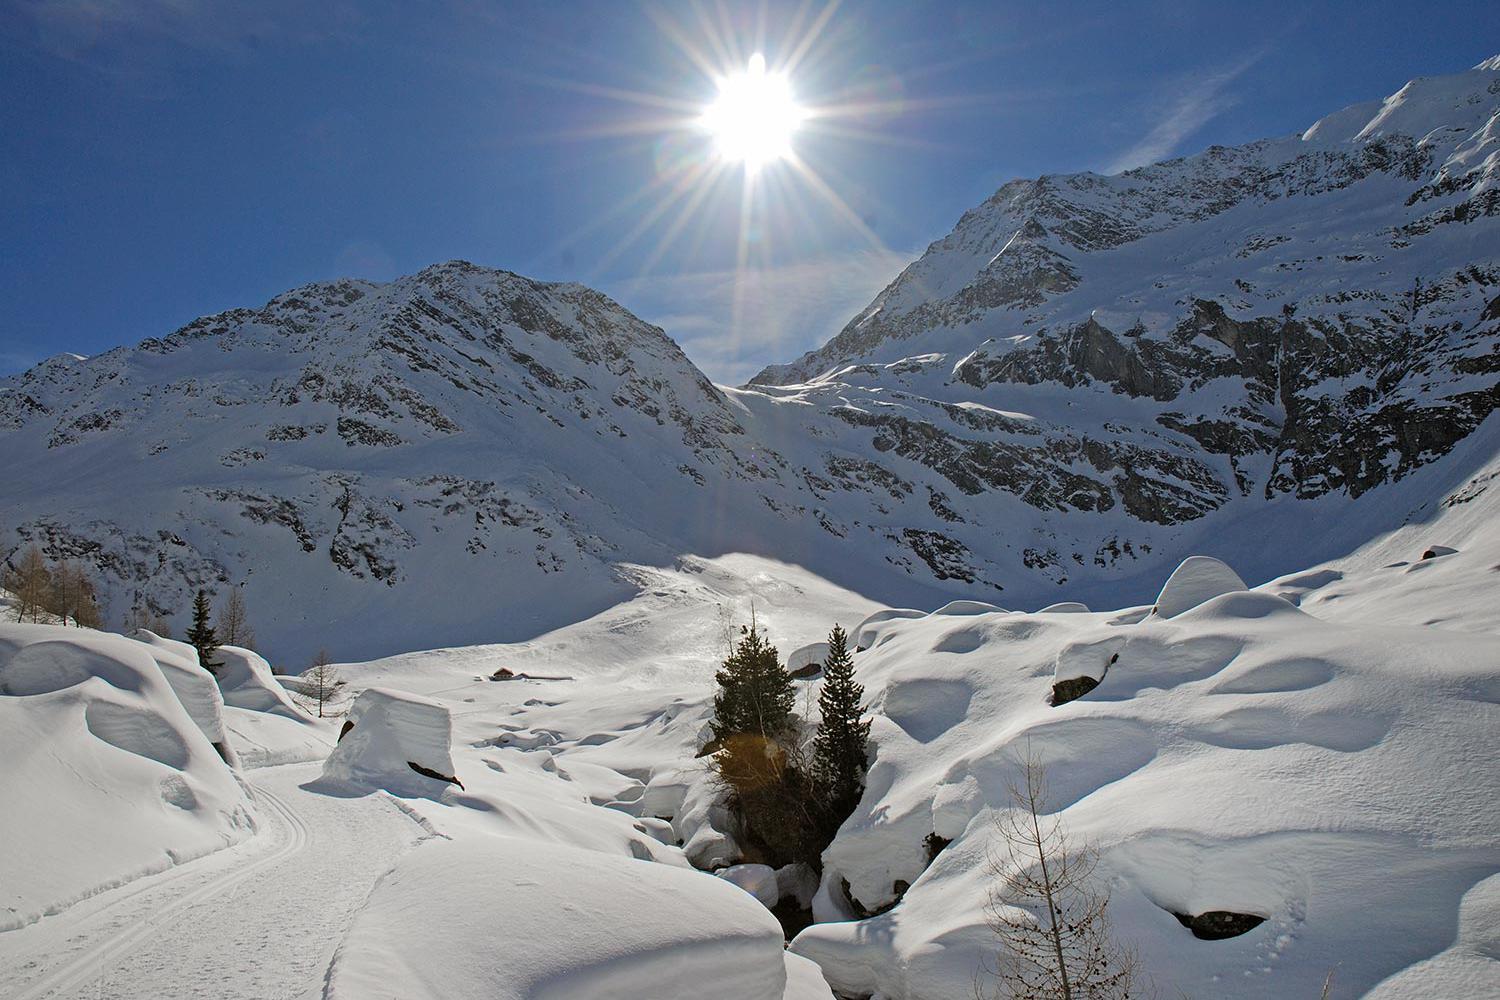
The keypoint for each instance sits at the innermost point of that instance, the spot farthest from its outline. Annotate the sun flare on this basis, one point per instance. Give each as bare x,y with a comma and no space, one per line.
754,117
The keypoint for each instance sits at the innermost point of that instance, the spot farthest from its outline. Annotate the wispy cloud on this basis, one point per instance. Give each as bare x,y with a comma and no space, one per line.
1187,107
733,324
137,39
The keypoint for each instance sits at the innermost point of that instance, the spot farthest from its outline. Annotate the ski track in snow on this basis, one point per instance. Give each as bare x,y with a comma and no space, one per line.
260,920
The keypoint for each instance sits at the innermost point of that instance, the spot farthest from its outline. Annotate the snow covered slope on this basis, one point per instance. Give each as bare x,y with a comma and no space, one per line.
1089,379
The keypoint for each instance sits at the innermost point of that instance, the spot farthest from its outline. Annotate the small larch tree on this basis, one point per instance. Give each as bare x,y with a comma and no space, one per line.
322,687
234,625
201,635
1049,909
841,743
74,596
30,580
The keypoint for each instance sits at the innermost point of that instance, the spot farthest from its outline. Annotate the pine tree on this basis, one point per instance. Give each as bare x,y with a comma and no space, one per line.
842,740
755,691
759,754
201,634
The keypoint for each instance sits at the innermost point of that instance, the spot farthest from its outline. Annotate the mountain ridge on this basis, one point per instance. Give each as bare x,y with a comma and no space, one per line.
1089,378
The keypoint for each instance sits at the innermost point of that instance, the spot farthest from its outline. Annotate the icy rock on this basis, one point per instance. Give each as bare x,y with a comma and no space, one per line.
1197,579
393,738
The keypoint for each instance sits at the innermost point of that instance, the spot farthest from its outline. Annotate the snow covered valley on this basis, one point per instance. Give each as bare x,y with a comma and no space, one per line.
1174,494
1317,754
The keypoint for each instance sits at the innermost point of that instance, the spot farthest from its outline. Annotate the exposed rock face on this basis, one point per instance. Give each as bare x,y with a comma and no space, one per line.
1087,379
1319,310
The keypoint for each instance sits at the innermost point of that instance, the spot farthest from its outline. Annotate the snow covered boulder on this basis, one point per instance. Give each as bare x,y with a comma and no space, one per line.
1197,579
106,776
807,661
867,631
247,682
480,918
394,740
758,880
195,687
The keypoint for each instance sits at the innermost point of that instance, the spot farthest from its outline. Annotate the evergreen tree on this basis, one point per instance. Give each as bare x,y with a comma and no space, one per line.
201,633
841,742
755,691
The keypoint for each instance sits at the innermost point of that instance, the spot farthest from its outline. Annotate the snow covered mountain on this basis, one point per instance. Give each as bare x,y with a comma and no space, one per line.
1088,379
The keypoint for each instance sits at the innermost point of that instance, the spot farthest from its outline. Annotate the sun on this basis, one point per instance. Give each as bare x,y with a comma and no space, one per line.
754,117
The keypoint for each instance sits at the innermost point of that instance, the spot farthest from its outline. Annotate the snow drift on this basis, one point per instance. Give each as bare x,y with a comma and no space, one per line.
394,740
511,919
1237,754
107,775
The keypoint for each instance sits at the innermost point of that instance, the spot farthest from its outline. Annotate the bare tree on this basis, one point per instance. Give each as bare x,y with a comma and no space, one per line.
74,596
234,625
321,684
146,618
1048,909
31,582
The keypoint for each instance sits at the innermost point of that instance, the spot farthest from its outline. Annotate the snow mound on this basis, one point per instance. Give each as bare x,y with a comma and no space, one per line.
866,632
107,776
1315,780
758,880
807,660
1196,580
511,919
247,682
388,736
968,608
1065,608
195,688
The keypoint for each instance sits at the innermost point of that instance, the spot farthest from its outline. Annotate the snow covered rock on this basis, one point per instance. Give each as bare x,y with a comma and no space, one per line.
512,919
107,776
394,740
808,660
866,631
1244,768
195,687
247,682
1197,579
758,880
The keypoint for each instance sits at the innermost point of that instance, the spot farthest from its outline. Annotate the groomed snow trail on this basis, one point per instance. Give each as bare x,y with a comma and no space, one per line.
258,921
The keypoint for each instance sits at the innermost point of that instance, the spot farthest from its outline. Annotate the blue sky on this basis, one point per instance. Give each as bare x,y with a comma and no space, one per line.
162,159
